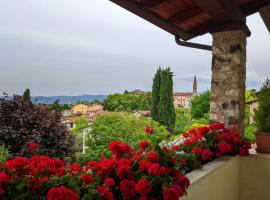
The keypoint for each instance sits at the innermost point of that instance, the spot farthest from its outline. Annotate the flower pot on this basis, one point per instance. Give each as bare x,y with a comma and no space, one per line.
263,142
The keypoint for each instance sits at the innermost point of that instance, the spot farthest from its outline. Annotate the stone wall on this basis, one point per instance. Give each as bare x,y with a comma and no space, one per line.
228,79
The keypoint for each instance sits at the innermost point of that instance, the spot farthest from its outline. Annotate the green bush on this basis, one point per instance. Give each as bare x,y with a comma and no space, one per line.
250,132
200,105
128,102
183,120
4,153
121,126
262,115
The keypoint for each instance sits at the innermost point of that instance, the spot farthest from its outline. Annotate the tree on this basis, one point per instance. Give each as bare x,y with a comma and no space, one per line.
128,102
155,95
26,95
262,115
200,105
183,120
125,127
166,108
22,123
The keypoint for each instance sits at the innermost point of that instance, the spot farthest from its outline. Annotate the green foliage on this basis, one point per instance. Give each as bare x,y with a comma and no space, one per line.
156,95
80,124
249,96
127,102
197,125
26,95
200,105
4,153
183,120
250,131
166,107
262,115
22,123
124,127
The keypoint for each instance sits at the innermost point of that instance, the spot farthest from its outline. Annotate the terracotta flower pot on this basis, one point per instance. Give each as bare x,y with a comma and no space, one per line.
263,142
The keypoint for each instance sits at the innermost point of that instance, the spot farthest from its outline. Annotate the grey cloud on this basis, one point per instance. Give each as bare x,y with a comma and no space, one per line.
66,47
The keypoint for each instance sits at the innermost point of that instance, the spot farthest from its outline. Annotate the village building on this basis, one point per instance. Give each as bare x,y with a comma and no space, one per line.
67,113
183,99
95,109
79,109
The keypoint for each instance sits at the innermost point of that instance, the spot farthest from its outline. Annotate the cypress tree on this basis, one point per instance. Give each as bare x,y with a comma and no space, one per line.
155,95
26,95
166,107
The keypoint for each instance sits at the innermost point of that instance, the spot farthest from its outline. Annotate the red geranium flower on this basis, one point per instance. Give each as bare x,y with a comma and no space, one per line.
75,168
3,178
127,188
109,182
87,178
152,157
197,150
143,186
62,193
183,161
33,146
143,144
225,147
105,193
206,155
149,130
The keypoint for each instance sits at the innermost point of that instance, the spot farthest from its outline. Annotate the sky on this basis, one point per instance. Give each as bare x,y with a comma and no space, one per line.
71,47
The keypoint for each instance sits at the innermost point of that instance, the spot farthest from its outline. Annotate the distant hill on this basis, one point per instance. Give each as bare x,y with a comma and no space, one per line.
65,99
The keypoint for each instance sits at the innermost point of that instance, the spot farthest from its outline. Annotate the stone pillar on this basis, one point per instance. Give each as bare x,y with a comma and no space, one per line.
228,79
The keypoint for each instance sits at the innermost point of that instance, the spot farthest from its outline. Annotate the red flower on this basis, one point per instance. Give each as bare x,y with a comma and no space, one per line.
105,193
149,130
143,144
156,169
206,155
127,188
33,146
152,157
183,161
243,152
87,178
62,193
75,168
3,178
216,126
197,150
109,182
144,165
123,170
175,147
171,194
118,149
143,186
225,147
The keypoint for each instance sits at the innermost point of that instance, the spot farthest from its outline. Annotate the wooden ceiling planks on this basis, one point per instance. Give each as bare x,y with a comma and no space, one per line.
265,14
190,18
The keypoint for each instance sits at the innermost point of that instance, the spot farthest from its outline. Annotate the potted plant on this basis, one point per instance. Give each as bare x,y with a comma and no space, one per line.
262,119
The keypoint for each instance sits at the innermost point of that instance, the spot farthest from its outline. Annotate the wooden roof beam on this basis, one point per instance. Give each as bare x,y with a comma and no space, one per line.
151,3
183,16
253,6
265,14
222,10
213,27
155,19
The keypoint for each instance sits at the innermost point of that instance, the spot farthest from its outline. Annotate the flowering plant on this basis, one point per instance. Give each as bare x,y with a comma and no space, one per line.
151,172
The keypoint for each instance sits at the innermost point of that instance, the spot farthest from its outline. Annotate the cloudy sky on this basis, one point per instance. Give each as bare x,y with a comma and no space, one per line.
71,47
